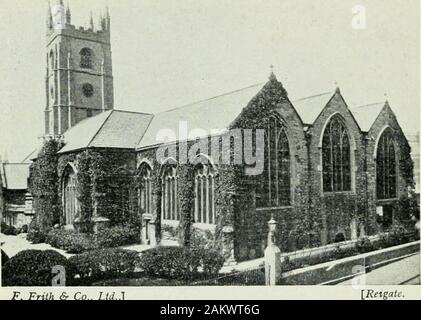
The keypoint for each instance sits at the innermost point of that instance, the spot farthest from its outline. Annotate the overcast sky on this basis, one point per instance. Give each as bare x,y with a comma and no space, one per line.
169,53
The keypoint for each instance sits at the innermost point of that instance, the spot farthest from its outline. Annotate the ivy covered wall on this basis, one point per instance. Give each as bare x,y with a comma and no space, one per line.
43,185
108,182
294,221
334,211
186,230
405,178
105,181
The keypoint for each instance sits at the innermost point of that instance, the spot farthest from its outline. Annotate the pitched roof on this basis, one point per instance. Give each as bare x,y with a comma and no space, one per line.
214,113
366,115
124,129
110,129
309,108
14,176
32,155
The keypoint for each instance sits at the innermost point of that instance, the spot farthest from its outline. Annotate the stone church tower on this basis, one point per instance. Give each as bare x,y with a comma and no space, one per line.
79,80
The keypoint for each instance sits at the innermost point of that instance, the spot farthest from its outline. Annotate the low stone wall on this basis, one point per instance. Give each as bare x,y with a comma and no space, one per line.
323,250
329,271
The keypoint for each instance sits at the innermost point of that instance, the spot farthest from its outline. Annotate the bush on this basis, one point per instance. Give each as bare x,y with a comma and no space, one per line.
340,237
340,253
8,230
4,257
70,241
211,261
23,229
36,235
33,268
407,208
77,242
288,264
364,245
102,264
167,262
117,236
397,233
181,262
204,239
139,282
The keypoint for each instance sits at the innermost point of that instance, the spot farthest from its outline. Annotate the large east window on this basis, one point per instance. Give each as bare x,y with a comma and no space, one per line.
336,157
386,166
274,185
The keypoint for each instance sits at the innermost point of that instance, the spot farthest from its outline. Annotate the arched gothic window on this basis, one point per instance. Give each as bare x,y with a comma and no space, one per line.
386,166
70,200
204,194
86,58
145,189
169,201
336,157
274,186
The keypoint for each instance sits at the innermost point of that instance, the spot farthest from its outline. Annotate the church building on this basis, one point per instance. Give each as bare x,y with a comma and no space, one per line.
328,173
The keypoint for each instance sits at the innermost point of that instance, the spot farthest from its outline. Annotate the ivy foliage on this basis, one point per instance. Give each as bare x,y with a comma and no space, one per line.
84,185
43,185
104,186
186,196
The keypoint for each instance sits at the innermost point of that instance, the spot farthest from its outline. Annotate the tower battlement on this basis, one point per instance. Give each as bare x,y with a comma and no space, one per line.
79,80
60,18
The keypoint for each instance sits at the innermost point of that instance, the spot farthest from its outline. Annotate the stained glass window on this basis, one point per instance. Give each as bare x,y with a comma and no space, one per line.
386,166
204,194
274,185
336,157
169,207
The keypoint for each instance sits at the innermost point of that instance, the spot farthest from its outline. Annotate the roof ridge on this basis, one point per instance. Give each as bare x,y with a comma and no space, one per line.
15,163
130,111
29,155
144,132
214,97
99,129
368,105
313,96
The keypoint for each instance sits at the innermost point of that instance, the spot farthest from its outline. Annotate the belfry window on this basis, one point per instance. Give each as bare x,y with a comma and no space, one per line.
204,194
386,166
169,201
274,185
336,157
86,58
88,90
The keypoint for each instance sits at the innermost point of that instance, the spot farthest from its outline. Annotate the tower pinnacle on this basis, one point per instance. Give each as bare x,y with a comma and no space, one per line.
68,15
272,76
108,19
49,16
91,22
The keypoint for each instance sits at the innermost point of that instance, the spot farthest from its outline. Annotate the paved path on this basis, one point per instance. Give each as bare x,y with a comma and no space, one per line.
14,244
405,271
